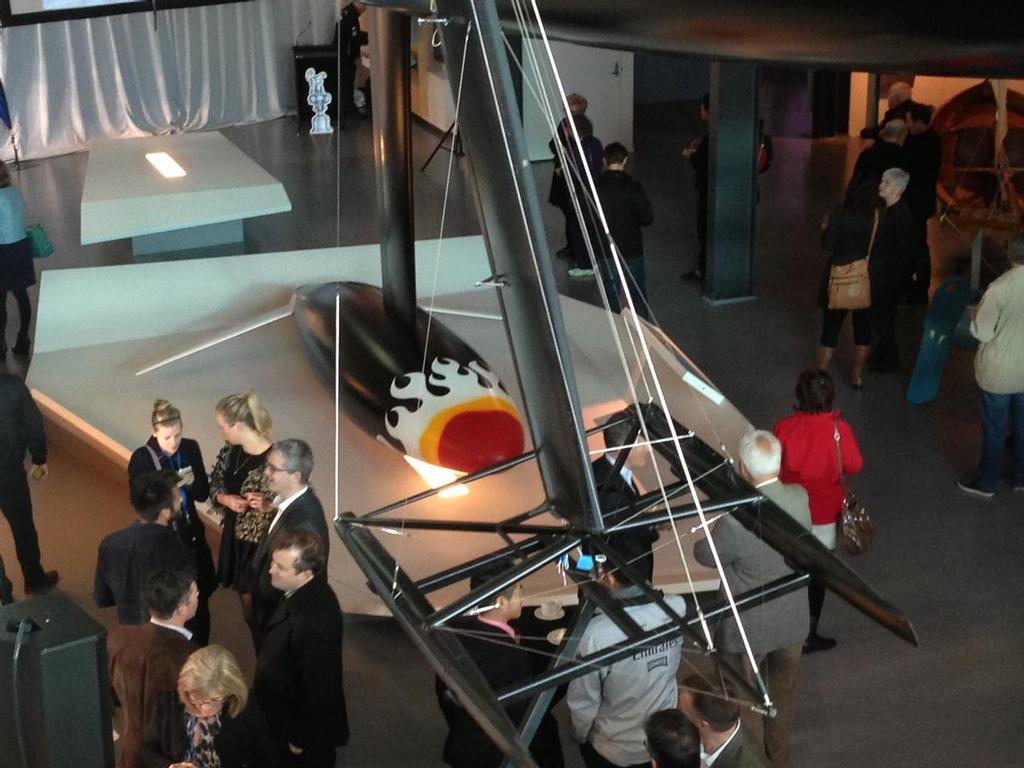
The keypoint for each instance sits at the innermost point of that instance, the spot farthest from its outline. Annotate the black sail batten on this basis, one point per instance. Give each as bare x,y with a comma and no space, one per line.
444,652
513,228
778,529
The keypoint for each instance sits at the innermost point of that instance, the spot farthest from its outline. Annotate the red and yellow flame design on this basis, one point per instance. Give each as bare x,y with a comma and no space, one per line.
473,435
468,428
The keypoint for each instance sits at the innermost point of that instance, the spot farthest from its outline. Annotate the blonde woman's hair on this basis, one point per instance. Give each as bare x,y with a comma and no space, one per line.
164,413
213,671
577,104
249,409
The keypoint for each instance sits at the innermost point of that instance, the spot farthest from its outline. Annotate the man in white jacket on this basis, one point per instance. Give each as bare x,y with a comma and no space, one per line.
609,706
998,323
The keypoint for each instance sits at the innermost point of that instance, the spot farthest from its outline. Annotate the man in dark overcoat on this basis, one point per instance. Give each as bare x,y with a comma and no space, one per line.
298,671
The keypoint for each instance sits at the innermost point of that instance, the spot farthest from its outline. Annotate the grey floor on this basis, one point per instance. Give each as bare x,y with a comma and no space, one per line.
951,563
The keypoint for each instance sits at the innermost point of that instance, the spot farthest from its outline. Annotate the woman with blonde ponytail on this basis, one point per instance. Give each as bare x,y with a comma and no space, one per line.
238,487
167,449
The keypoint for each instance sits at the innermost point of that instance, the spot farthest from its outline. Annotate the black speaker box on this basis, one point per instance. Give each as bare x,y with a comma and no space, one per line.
55,709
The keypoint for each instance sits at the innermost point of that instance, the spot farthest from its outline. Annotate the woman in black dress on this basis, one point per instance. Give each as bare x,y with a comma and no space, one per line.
167,449
238,488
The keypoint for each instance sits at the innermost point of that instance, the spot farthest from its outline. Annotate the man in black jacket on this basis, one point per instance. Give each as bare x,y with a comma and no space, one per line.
698,154
923,149
627,209
884,154
299,672
21,432
288,468
128,556
618,490
349,38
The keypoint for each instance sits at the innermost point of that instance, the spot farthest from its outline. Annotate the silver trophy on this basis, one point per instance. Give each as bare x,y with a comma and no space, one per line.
318,98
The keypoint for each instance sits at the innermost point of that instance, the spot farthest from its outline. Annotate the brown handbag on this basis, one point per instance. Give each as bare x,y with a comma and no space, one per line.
855,530
849,285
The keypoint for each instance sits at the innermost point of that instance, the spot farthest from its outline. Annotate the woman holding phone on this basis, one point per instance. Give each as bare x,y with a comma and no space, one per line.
166,449
238,489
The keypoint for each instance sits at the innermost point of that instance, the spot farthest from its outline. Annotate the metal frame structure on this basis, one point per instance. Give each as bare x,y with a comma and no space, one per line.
523,276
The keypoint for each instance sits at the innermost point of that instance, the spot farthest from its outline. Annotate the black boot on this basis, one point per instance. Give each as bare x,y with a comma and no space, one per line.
816,642
21,346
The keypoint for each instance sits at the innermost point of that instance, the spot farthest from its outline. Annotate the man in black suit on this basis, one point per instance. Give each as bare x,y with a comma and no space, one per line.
21,432
298,671
923,149
717,719
288,468
698,155
128,556
884,154
349,38
616,489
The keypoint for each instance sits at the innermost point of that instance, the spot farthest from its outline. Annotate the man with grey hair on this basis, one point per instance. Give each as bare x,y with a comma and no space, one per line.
779,628
998,323
295,507
890,262
898,100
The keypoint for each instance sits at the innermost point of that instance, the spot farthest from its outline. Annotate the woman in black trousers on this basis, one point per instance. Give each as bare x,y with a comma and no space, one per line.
848,232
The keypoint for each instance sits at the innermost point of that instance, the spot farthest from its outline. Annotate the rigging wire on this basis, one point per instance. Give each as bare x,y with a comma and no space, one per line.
662,401
590,189
524,218
434,281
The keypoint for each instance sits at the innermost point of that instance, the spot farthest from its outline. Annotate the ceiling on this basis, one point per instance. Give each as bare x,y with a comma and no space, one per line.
943,38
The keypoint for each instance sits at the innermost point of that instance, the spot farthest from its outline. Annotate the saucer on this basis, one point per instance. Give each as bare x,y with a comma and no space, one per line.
555,636
549,612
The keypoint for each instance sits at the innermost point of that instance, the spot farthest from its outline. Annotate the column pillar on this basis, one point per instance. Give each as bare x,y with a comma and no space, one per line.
732,179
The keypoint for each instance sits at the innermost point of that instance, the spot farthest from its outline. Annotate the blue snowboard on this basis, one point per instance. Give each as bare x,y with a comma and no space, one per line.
945,312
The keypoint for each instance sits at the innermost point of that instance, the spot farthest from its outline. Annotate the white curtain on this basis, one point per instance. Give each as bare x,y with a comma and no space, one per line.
70,82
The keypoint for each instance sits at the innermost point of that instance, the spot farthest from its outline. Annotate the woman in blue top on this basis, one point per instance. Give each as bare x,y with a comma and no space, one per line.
16,270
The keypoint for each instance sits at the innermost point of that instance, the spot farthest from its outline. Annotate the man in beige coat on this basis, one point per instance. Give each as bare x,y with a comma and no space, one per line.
998,323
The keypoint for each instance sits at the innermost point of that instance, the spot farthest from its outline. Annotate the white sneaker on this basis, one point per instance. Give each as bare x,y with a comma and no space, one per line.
580,274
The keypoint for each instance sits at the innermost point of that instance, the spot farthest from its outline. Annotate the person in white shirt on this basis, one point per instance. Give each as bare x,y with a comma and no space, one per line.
716,716
998,323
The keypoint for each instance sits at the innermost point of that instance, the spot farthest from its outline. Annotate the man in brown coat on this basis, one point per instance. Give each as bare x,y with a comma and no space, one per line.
145,659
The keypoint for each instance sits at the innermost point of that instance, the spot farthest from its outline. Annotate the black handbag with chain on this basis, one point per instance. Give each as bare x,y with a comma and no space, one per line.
855,530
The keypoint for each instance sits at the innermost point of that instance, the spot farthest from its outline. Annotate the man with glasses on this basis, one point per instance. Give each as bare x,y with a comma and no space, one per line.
288,468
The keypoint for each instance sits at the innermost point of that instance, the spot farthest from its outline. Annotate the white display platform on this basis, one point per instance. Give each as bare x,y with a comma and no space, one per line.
124,196
91,339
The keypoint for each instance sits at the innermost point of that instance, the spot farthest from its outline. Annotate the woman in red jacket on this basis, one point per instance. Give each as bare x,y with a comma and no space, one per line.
809,457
